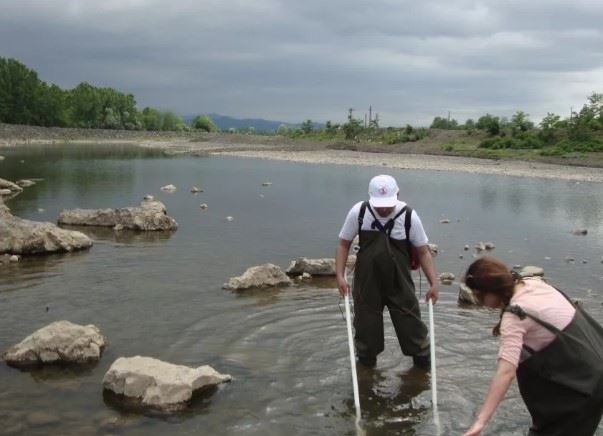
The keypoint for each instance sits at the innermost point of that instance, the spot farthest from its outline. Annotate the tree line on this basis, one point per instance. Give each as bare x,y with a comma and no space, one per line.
582,131
25,99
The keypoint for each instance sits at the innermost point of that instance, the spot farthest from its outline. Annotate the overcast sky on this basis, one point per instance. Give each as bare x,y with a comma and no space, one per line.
292,60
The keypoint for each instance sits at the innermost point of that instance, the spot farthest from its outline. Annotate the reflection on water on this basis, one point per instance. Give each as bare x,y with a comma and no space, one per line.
122,236
159,294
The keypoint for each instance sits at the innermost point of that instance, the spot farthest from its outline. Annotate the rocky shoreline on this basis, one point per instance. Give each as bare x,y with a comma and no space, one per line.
285,149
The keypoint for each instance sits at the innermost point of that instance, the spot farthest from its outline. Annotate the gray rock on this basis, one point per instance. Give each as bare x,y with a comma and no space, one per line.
168,188
466,296
5,191
61,341
14,258
446,277
266,183
532,271
159,385
151,215
466,247
579,232
316,267
489,245
262,276
480,246
203,206
20,236
196,190
445,221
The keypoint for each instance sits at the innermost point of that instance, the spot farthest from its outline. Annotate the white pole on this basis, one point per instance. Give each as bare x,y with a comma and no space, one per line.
434,382
348,319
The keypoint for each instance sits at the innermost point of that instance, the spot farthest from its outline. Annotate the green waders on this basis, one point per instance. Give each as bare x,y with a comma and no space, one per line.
382,278
562,384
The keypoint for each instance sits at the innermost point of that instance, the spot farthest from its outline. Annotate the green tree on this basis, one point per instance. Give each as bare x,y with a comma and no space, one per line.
520,123
489,123
151,119
171,122
20,93
203,122
307,127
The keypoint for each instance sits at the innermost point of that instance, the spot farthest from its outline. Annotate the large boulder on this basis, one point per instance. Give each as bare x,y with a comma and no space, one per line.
150,216
262,276
316,267
20,236
59,342
158,385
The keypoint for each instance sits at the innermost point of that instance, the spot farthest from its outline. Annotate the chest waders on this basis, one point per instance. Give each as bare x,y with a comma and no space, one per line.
562,384
382,278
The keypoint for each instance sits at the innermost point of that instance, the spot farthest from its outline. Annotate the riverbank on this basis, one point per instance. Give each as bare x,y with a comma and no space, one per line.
317,152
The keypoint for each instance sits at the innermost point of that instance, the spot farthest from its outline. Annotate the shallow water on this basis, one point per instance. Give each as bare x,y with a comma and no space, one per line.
160,295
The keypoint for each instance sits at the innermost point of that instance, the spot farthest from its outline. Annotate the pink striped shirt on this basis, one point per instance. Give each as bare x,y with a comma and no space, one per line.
538,299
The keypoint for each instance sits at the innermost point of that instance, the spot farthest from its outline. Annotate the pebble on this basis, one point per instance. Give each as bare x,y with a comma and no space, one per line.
14,258
196,190
489,245
584,261
203,206
445,221
547,258
569,259
229,218
466,247
266,183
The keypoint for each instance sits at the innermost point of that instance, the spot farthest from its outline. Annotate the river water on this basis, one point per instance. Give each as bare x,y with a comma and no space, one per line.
160,295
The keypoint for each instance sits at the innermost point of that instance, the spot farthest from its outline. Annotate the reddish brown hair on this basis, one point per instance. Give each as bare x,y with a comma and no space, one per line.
488,275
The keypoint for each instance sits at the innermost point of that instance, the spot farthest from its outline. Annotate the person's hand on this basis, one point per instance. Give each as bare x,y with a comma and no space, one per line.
342,285
475,430
432,293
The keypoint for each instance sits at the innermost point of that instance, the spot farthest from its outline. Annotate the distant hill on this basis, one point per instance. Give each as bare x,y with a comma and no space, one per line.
260,125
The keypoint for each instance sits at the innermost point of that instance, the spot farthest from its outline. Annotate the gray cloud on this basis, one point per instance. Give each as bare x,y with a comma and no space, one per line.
291,60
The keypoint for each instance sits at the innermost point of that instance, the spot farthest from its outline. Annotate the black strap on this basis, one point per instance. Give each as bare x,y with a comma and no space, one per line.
361,215
407,222
522,314
388,226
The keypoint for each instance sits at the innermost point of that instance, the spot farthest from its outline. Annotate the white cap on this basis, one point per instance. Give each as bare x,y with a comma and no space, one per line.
383,191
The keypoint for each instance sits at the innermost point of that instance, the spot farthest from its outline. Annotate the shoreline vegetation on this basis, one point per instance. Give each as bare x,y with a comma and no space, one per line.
35,111
426,155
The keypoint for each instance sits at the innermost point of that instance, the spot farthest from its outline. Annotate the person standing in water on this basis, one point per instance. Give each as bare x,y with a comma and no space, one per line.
389,232
553,347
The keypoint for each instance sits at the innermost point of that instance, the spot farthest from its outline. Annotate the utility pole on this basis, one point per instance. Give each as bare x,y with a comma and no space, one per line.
370,114
350,112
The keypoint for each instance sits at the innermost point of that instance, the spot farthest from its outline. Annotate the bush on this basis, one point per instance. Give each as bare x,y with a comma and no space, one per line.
203,122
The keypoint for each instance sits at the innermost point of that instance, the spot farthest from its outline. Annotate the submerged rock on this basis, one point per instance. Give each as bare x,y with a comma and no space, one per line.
20,236
316,267
262,276
151,215
154,384
59,342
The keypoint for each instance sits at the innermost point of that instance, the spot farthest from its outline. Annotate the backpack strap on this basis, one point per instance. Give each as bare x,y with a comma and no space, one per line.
522,314
407,219
361,215
388,226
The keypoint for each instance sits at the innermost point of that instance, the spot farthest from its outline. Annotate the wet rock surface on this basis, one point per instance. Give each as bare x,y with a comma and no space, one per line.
262,276
59,342
21,236
151,215
154,384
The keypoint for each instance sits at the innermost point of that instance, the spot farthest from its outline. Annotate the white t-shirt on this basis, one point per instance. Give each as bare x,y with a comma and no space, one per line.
417,234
